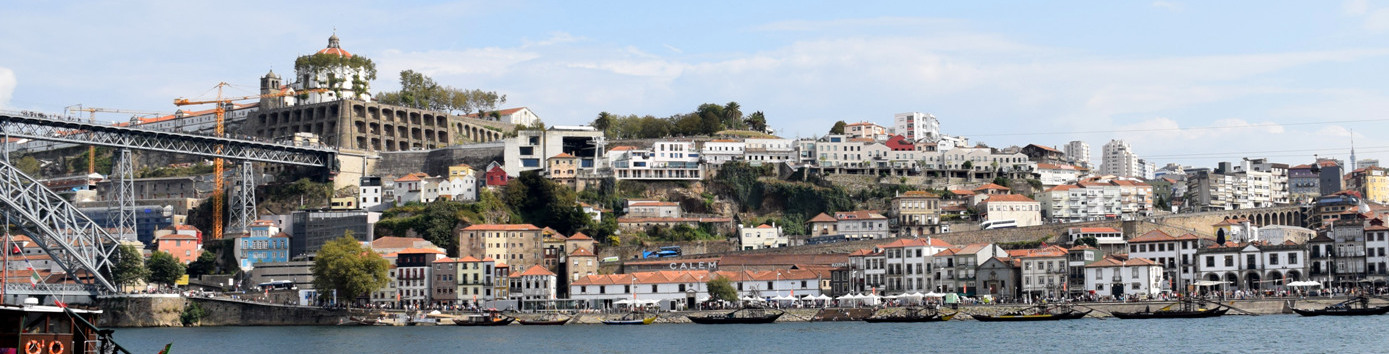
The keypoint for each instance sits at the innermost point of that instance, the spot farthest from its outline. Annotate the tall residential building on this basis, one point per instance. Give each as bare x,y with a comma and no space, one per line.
916,126
1148,169
1119,160
1329,176
1078,153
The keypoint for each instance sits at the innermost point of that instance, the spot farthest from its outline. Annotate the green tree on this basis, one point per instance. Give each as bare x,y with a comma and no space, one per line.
721,288
733,116
756,121
345,268
129,268
29,165
838,127
544,203
192,314
420,91
164,268
206,264
604,122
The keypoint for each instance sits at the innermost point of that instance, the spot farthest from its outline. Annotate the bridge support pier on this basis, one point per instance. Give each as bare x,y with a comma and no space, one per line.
121,197
242,203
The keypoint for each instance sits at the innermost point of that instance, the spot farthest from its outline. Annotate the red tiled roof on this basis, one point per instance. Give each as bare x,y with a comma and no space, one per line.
644,220
654,204
988,186
765,226
580,236
419,250
1113,261
502,227
535,270
1047,148
919,194
916,242
692,276
581,252
1094,230
823,218
961,192
1008,198
622,148
858,215
562,155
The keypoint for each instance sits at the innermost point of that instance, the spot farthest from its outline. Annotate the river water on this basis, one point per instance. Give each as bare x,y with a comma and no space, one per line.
1269,333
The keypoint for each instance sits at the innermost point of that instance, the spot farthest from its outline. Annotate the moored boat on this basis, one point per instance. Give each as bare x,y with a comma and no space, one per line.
1188,309
743,316
1036,313
910,315
632,318
491,318
552,319
54,329
1359,306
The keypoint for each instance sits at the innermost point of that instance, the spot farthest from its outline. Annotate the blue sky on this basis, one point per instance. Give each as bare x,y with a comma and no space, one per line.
1182,81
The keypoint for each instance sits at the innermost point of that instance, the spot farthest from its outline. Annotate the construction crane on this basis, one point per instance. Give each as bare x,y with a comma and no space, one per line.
92,111
218,199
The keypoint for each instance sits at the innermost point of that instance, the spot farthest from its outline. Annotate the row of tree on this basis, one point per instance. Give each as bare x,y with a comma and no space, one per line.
708,119
131,268
418,90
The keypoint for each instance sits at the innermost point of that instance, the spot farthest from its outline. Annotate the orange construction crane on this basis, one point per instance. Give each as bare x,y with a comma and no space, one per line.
91,149
218,199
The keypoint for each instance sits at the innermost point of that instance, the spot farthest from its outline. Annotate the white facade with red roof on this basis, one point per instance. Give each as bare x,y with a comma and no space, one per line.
1122,275
1016,207
673,289
517,116
909,264
536,283
350,82
761,236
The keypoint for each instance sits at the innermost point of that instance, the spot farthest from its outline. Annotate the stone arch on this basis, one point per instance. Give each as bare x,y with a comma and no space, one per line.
1293,275
1231,281
1275,279
1252,280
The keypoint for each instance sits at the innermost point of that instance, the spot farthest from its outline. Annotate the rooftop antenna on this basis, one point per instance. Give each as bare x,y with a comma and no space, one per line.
1353,164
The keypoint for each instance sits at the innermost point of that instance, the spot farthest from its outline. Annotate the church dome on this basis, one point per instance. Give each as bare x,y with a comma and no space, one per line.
333,48
272,75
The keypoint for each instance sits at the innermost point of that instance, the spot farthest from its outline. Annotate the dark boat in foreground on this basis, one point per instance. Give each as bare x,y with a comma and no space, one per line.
492,318
1359,306
632,318
1188,309
745,316
1035,313
548,320
54,329
911,315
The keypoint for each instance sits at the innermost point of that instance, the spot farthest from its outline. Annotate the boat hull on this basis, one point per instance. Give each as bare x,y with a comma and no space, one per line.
1350,312
909,319
1169,314
733,320
1030,318
544,323
499,322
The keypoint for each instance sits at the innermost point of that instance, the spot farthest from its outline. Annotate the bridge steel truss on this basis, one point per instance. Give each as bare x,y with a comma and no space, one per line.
242,203
84,249
84,133
77,244
123,186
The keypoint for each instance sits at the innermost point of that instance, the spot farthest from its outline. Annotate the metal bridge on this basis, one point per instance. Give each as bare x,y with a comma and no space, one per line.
78,245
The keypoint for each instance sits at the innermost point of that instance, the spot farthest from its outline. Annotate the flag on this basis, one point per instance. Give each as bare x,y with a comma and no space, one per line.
59,303
33,277
166,348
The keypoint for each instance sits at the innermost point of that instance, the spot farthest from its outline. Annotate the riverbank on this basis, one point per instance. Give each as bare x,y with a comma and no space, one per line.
165,311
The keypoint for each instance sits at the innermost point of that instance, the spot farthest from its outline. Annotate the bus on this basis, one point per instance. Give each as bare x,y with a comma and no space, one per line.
998,224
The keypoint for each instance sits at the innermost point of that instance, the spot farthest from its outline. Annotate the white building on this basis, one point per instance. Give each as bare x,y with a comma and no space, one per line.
917,127
417,188
1019,208
536,283
1054,174
861,225
672,289
769,150
761,236
1176,255
370,194
719,151
1043,270
1123,275
517,116
351,81
666,160
909,265
1119,160
529,149
865,130
1107,239
1078,153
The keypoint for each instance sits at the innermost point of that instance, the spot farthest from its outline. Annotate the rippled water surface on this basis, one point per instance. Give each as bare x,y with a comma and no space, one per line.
1271,333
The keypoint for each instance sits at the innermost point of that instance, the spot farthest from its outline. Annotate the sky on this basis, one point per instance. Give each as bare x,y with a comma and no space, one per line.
1190,82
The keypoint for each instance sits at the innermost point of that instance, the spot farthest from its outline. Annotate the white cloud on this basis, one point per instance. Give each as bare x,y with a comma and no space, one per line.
1376,19
854,23
7,85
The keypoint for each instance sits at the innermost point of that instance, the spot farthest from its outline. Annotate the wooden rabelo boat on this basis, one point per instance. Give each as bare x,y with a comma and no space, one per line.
1036,313
551,319
53,329
632,318
1359,306
1187,309
911,315
490,318
744,316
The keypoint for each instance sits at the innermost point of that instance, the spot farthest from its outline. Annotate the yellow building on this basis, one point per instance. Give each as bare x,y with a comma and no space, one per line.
1376,186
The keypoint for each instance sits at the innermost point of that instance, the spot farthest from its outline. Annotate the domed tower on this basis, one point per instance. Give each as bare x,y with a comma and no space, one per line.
270,83
343,75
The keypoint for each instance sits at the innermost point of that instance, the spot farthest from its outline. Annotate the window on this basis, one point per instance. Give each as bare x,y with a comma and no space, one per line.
1273,259
1210,261
1229,261
1292,258
530,162
1135,272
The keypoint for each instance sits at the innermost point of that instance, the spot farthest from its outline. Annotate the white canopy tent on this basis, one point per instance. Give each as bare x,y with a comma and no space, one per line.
1304,283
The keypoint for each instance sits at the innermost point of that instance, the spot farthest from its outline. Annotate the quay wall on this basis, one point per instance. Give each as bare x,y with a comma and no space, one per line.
165,310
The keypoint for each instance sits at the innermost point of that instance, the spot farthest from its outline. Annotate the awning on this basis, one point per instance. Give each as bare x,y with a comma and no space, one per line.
1211,283
1305,283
